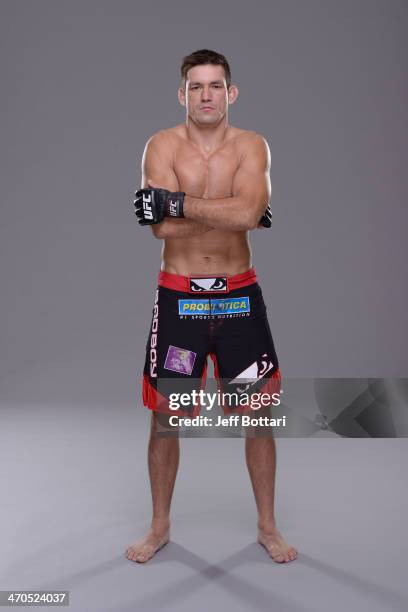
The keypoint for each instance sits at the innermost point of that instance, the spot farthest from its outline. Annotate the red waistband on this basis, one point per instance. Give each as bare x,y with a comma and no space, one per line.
183,283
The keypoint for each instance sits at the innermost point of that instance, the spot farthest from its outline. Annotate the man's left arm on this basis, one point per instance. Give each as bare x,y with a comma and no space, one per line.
251,190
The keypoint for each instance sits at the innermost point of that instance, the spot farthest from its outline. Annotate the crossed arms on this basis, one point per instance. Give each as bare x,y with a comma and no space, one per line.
251,190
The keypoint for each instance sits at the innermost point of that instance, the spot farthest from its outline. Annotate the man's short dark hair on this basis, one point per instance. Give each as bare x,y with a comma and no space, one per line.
205,56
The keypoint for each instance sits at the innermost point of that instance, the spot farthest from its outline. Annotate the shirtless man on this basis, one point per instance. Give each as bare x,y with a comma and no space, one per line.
205,185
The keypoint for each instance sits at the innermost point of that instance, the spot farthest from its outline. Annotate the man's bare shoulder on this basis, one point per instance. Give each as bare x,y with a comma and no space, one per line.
163,144
167,137
251,139
251,147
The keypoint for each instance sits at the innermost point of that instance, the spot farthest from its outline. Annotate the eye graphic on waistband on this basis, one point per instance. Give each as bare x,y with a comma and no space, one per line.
208,284
195,287
219,284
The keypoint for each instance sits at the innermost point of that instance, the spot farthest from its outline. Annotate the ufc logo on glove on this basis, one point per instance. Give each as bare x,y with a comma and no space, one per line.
147,208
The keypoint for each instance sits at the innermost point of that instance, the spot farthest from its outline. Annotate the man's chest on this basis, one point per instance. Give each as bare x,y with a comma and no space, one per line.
208,177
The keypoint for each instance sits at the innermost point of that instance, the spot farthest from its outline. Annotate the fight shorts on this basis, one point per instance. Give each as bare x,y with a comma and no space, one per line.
222,317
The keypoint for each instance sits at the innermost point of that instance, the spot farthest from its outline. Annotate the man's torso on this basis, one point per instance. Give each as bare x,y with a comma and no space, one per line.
217,251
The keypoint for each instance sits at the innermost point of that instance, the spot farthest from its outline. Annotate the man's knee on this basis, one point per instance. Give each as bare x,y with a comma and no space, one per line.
260,424
160,425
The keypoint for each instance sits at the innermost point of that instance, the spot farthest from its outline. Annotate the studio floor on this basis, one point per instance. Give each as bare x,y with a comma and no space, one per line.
75,494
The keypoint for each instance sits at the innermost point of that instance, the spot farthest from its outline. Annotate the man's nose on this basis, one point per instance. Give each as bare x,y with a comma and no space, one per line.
206,94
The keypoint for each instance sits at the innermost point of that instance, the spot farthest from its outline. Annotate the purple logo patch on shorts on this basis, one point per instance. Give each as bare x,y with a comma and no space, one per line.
180,360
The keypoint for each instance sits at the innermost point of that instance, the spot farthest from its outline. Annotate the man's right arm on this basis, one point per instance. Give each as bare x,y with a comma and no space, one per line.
157,167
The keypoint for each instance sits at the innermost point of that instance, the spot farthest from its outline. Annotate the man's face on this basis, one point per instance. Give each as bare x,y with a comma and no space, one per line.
206,96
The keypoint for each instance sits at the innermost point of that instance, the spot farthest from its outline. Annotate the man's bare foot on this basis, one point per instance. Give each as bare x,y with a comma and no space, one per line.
277,547
147,547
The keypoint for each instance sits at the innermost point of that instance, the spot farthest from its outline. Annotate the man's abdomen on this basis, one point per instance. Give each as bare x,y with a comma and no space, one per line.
214,252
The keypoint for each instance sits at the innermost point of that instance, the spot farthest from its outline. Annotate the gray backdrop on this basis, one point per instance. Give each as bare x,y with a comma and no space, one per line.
85,83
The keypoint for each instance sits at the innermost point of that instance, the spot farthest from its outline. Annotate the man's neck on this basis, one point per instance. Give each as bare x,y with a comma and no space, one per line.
207,138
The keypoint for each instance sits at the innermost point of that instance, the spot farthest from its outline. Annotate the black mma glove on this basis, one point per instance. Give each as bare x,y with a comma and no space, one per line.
266,219
152,205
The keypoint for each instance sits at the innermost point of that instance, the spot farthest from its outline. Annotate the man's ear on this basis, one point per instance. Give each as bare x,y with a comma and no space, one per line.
181,94
232,94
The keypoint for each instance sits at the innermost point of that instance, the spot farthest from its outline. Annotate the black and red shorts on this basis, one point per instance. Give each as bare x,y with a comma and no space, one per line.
222,317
